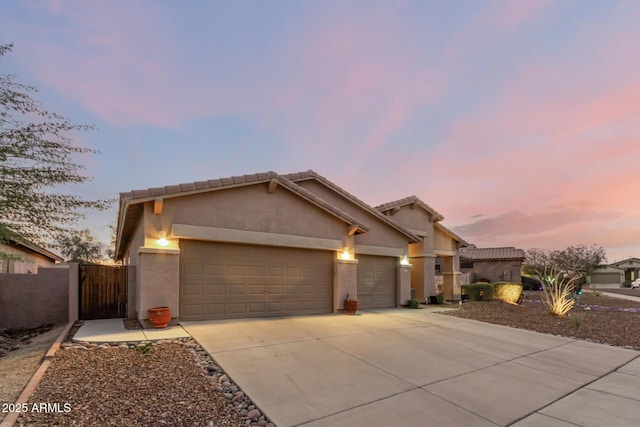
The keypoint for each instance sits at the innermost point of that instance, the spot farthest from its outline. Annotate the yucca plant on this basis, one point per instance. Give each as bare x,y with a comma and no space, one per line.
557,291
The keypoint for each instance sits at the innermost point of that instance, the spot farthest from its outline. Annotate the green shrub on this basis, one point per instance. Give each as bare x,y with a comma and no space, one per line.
440,297
507,292
414,303
480,292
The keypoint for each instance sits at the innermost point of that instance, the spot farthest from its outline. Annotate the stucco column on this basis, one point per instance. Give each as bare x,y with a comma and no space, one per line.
74,291
404,284
345,282
450,276
423,276
159,276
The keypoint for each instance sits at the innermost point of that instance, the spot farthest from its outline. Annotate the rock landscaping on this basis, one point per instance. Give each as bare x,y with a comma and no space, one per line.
168,382
597,318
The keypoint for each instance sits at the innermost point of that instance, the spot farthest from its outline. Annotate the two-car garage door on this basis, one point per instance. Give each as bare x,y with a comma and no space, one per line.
226,280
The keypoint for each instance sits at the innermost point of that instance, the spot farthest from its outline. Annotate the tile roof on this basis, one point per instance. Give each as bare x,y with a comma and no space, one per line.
131,202
198,186
310,174
409,201
491,254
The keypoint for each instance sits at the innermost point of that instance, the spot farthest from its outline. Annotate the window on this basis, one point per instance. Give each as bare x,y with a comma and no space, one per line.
466,265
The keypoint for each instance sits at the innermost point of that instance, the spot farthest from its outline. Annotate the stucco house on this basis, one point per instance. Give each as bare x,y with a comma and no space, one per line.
616,273
25,257
269,245
493,264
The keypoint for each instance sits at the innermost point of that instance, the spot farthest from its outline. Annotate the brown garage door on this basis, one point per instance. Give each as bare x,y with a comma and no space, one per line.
377,278
225,280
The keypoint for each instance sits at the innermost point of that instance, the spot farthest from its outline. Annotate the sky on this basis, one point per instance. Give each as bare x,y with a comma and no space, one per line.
518,121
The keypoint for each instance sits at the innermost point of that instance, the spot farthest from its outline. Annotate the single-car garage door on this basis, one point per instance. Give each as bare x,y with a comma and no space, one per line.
377,276
226,280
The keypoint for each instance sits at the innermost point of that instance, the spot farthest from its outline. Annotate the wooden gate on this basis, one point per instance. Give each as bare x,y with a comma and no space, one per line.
103,292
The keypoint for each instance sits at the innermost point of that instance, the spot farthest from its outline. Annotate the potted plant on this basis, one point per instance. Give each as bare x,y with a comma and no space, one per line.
351,305
159,317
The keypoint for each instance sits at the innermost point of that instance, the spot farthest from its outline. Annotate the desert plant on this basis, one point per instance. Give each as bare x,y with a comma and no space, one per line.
577,321
558,291
440,298
414,303
507,291
480,292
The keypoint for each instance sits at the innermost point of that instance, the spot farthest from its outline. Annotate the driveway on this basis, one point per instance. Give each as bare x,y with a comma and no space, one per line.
416,368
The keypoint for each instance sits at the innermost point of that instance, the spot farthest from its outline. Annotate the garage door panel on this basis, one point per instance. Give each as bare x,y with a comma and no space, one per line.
377,276
215,290
251,281
194,289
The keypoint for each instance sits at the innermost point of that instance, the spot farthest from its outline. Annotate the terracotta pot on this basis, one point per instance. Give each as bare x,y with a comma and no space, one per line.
159,317
351,305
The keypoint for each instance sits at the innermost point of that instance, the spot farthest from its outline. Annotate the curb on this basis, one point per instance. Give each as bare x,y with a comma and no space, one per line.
33,383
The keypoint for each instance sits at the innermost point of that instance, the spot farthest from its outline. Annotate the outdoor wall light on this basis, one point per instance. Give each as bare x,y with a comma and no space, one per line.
162,241
404,260
345,254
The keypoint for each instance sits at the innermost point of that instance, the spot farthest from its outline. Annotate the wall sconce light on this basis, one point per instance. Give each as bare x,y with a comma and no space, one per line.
345,254
162,241
404,260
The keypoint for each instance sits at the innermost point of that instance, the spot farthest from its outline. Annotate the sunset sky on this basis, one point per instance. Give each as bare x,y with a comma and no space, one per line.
519,121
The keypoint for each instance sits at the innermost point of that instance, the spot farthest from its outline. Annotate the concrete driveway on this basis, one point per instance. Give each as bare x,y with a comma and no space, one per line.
415,368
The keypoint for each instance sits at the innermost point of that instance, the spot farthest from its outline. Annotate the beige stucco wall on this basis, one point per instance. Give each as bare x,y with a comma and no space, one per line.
495,271
379,234
404,284
29,262
346,282
442,241
159,277
249,208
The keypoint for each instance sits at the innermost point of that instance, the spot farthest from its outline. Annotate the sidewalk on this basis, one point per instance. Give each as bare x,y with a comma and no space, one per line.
622,296
112,330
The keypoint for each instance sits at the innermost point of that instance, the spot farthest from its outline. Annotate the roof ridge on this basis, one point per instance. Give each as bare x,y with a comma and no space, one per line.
312,174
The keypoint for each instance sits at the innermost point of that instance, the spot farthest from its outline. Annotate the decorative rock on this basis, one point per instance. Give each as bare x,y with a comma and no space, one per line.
253,414
233,389
243,412
262,423
226,384
228,395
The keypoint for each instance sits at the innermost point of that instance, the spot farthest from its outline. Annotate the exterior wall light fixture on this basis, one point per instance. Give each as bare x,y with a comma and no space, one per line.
162,241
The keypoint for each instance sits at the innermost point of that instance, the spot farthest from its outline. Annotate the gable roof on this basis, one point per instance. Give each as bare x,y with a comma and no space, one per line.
26,246
452,234
132,203
310,174
491,254
626,261
411,200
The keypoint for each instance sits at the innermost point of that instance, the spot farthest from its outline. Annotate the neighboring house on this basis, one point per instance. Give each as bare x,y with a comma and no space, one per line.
493,264
28,257
631,267
606,275
268,245
616,273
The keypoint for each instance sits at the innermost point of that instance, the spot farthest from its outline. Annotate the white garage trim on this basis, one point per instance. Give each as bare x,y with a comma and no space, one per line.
214,234
379,250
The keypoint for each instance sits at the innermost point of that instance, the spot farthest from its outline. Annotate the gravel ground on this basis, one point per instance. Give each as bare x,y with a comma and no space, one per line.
601,319
166,383
15,339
